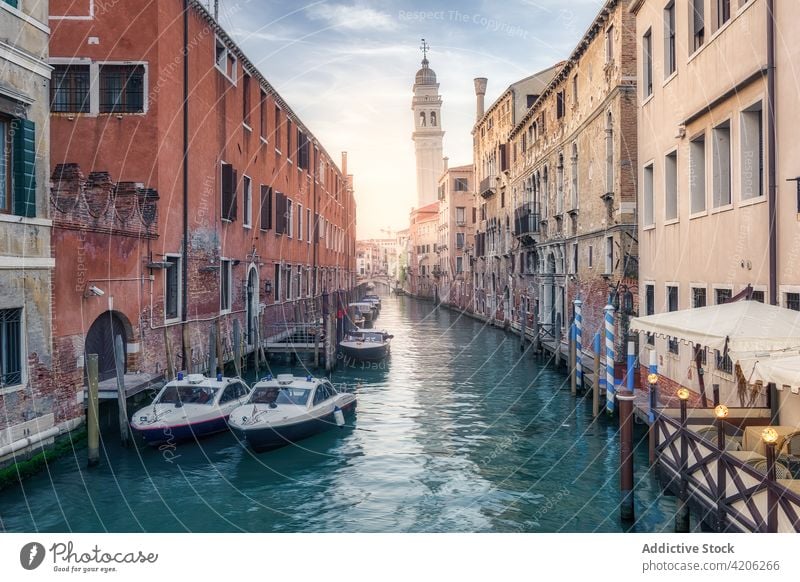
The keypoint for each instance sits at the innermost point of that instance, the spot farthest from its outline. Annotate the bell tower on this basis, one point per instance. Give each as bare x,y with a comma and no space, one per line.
427,108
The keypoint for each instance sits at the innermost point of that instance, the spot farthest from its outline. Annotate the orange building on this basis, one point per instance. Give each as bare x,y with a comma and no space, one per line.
187,193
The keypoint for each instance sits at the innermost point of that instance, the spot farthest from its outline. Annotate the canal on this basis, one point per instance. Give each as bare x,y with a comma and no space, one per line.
458,432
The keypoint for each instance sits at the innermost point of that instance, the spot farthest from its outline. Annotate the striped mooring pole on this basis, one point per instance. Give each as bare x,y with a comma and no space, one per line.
610,386
578,346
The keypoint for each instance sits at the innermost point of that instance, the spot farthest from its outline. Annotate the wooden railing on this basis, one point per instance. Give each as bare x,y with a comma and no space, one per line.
726,490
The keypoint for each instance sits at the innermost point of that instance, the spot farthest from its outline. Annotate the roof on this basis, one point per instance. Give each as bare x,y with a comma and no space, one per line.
748,329
426,75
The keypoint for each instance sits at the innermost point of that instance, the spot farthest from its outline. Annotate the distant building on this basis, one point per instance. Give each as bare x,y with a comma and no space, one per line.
494,240
33,401
456,235
710,176
427,108
422,236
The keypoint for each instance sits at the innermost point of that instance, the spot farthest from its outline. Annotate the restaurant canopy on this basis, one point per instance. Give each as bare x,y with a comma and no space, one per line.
748,330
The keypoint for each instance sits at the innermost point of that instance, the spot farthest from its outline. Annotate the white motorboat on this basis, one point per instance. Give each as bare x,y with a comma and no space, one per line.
289,408
189,407
367,311
366,345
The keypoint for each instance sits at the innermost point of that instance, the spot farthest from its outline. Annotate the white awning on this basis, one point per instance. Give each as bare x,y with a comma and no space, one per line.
752,330
784,372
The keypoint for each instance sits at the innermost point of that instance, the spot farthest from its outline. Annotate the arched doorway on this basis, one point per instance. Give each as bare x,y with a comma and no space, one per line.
100,341
252,304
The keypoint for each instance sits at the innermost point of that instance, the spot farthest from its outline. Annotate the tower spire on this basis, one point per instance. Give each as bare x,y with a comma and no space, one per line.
424,47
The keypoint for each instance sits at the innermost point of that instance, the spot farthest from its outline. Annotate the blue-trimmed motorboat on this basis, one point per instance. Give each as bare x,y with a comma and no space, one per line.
288,408
189,407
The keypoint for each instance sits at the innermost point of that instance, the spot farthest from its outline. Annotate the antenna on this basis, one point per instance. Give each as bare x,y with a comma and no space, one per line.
216,10
424,47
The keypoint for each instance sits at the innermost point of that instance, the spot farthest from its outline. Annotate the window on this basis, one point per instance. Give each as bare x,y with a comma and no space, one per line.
574,90
610,44
433,119
246,99
287,282
276,284
723,12
10,347
302,150
172,287
461,216
669,39
792,301
647,192
225,61
591,257
609,254
724,362
299,222
560,110
697,24
289,218
647,63
266,207
459,265
758,296
228,192
574,188
225,285
699,297
17,166
461,185
262,114
722,296
308,225
247,202
722,164
650,308
459,240
289,152
752,151
697,174
609,154
121,88
671,186
69,89
672,305
574,265
277,128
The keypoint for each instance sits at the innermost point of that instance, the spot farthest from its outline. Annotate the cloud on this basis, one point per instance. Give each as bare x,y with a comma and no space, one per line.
351,17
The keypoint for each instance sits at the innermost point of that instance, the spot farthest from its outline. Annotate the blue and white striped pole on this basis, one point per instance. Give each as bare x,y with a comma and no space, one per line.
610,387
653,386
578,345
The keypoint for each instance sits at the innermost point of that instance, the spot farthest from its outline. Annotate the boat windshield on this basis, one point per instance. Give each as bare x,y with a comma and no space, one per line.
264,394
187,395
293,396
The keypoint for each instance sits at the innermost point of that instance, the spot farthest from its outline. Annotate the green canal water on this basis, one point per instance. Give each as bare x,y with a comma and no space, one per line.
458,432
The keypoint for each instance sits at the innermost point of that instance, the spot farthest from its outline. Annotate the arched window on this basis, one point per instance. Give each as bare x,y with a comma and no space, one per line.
560,184
422,119
609,154
433,119
545,194
574,176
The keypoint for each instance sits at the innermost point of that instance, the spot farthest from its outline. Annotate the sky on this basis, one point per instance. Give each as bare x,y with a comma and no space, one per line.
347,69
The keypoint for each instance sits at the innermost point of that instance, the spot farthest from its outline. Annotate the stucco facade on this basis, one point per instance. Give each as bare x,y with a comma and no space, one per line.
704,170
456,235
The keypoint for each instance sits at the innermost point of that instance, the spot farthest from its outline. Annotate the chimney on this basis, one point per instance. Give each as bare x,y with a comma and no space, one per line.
344,163
480,93
445,161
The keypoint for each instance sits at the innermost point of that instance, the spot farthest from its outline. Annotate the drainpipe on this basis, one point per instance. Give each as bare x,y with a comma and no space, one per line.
185,250
772,184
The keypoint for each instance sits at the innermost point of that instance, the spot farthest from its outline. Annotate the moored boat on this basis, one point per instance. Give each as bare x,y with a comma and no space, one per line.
366,345
188,408
288,408
367,311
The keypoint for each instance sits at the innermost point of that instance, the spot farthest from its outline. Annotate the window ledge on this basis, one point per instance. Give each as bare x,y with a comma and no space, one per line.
15,219
752,201
264,140
225,311
247,226
247,127
672,221
172,321
11,389
25,17
669,79
699,214
647,99
277,151
649,227
721,209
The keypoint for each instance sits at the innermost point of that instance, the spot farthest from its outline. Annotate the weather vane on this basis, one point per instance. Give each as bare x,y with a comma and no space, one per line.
424,47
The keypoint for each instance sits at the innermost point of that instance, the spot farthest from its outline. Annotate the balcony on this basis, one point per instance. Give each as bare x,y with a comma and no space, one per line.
487,186
526,223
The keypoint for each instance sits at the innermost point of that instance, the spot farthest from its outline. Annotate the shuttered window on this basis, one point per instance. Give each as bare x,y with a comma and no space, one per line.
266,207
228,192
10,347
24,160
280,213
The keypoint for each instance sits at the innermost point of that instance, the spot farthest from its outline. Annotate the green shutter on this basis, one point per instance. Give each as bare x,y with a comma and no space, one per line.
12,3
24,155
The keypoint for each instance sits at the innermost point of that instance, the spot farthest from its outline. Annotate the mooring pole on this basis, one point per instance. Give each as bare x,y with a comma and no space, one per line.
598,374
652,384
93,421
237,348
682,515
626,505
721,413
579,346
212,352
170,367
772,501
608,312
119,361
573,379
